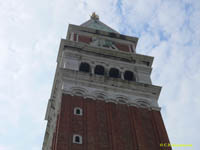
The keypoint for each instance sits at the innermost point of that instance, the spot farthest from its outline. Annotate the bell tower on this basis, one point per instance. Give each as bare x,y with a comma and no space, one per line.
102,96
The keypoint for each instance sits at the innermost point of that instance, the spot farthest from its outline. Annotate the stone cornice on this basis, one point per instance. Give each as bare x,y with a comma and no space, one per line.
115,100
120,55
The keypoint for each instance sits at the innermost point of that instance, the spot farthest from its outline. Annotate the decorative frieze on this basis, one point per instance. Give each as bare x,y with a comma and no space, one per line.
108,96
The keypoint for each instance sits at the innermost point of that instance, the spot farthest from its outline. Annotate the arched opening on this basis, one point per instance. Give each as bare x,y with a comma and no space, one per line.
128,75
78,111
114,73
77,139
84,67
99,70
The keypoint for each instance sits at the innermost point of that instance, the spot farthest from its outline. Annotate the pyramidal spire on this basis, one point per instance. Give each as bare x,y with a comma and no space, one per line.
96,24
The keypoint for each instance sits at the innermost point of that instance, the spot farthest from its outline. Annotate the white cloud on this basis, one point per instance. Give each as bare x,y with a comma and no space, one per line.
5,147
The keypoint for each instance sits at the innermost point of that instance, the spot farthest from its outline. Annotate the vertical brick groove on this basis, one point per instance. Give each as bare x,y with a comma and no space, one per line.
113,124
70,134
109,125
155,130
85,124
132,124
96,131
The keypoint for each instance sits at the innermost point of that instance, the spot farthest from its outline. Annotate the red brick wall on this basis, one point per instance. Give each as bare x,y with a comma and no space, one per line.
161,131
107,126
122,47
84,39
144,129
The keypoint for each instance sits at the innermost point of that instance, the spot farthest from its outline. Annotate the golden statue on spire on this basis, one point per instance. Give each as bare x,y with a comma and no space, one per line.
94,16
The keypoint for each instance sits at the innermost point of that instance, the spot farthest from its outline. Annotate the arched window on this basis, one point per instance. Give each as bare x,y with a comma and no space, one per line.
99,70
84,67
77,139
128,75
114,73
78,111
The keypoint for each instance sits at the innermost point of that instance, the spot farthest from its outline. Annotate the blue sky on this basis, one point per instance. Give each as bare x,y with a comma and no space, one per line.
30,33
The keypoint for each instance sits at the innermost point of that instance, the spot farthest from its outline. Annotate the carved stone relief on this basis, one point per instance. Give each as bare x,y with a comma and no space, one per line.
102,43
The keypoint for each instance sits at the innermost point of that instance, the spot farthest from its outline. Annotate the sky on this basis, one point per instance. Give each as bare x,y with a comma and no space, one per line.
30,34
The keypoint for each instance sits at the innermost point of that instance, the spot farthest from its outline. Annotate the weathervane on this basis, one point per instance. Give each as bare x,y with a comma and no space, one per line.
94,16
